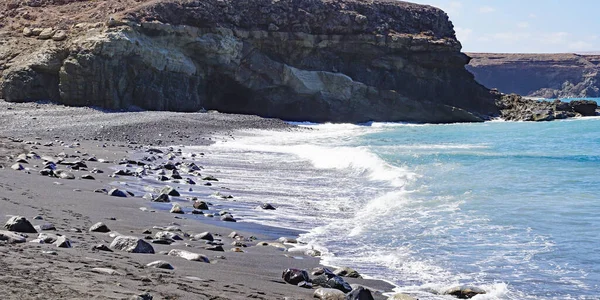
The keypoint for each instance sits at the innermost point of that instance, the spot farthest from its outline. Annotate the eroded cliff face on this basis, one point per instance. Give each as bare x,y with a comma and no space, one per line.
314,60
539,75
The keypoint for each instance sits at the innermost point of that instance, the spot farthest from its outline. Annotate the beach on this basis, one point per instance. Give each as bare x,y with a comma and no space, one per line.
72,206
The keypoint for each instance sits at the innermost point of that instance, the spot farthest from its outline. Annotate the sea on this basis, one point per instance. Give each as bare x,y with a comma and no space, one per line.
509,207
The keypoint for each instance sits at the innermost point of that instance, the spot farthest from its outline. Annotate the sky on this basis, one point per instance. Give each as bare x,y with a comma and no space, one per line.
524,26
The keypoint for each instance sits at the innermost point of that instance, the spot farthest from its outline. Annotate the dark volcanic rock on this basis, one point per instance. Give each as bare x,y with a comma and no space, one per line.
359,293
19,224
516,108
318,60
464,292
295,276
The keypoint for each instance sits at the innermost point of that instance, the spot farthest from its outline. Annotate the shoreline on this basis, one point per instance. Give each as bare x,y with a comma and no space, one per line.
73,203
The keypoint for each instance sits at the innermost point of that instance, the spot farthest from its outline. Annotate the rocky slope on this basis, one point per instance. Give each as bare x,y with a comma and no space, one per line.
315,60
539,75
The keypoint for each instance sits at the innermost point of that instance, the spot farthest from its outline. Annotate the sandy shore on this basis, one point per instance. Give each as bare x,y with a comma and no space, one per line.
44,271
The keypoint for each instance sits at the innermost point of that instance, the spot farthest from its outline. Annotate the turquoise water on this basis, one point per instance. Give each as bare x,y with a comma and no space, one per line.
511,207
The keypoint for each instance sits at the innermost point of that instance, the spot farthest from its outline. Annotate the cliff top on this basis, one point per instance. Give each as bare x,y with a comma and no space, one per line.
309,16
555,59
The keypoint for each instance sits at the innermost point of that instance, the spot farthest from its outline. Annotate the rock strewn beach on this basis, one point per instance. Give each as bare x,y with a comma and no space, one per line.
90,244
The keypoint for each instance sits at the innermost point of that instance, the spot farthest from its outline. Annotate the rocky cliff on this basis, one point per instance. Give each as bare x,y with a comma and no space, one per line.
539,75
315,60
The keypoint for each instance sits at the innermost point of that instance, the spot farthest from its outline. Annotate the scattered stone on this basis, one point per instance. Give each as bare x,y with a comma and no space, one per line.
197,212
233,235
101,191
171,191
47,33
329,294
106,271
164,235
464,292
294,276
200,205
330,280
160,264
215,248
305,284
44,227
50,252
347,272
27,32
38,218
176,209
64,174
19,224
87,176
237,249
204,236
162,198
209,178
268,206
131,244
17,167
227,218
62,242
360,293
190,181
11,237
117,193
99,227
142,296
189,255
313,252
101,247
287,240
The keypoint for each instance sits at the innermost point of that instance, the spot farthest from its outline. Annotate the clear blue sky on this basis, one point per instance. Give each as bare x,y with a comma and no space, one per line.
524,26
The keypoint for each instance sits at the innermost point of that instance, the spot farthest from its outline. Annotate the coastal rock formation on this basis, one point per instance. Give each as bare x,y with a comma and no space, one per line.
539,75
315,60
516,108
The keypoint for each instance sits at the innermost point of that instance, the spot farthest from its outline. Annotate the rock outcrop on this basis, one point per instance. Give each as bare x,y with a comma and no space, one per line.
314,60
516,108
539,75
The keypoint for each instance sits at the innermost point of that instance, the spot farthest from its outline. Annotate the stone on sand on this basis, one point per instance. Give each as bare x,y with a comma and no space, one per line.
200,205
64,174
19,224
117,193
161,198
99,227
160,264
167,235
347,272
400,296
295,276
204,236
360,293
171,191
106,271
131,244
176,209
17,167
11,237
189,255
62,242
329,294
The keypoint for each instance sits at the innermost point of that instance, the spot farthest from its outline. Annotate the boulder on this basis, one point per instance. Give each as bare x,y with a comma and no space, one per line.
464,292
584,107
200,205
360,293
176,209
131,244
329,294
189,255
17,167
62,242
46,34
117,193
161,198
19,224
160,264
99,227
346,272
11,237
330,280
295,276
268,206
101,247
228,218
204,236
171,191
63,174
162,235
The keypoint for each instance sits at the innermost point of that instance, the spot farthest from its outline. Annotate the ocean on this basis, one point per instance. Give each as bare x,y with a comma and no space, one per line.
511,207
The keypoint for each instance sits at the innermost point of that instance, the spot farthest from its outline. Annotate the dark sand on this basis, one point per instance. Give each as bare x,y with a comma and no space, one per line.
28,273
